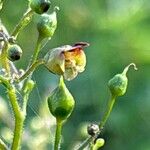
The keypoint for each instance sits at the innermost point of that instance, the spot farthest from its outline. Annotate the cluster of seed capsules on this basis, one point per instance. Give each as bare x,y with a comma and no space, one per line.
46,26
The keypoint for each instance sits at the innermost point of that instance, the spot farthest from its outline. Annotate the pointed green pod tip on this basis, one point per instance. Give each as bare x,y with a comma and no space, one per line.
118,84
61,102
40,6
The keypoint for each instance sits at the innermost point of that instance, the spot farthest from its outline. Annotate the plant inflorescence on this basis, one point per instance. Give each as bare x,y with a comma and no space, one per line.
66,61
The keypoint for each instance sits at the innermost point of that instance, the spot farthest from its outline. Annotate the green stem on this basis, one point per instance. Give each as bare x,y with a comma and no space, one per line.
4,59
85,143
30,70
3,145
58,134
102,123
28,74
34,59
37,50
108,111
23,22
26,92
19,116
18,131
19,119
25,102
13,100
5,82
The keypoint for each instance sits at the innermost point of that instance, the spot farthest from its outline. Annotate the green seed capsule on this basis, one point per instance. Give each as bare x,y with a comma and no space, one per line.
61,102
14,52
40,6
47,24
118,84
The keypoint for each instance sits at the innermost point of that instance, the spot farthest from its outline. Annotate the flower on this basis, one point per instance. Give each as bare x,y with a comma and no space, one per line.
67,60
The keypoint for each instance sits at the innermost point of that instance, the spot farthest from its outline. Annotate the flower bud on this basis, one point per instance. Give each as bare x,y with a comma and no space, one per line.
40,6
14,52
93,129
47,24
118,84
29,86
99,143
61,102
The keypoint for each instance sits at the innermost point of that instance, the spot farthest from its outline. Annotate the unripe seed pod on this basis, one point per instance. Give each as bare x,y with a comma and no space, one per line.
14,52
46,25
61,102
40,6
118,84
92,129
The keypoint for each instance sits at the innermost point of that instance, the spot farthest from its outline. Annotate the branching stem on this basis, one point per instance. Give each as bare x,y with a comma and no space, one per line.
19,119
108,111
30,70
37,50
102,123
4,59
23,22
3,145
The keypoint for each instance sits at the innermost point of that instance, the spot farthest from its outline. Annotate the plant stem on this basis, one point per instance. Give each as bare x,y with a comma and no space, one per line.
30,70
19,119
17,133
23,22
5,82
37,50
4,59
3,145
34,63
85,143
26,92
33,59
58,134
102,123
108,111
25,102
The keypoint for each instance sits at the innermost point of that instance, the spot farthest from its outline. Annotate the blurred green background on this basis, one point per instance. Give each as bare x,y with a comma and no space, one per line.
119,33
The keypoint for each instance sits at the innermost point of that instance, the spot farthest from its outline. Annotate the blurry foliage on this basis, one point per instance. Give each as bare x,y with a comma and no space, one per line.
119,33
